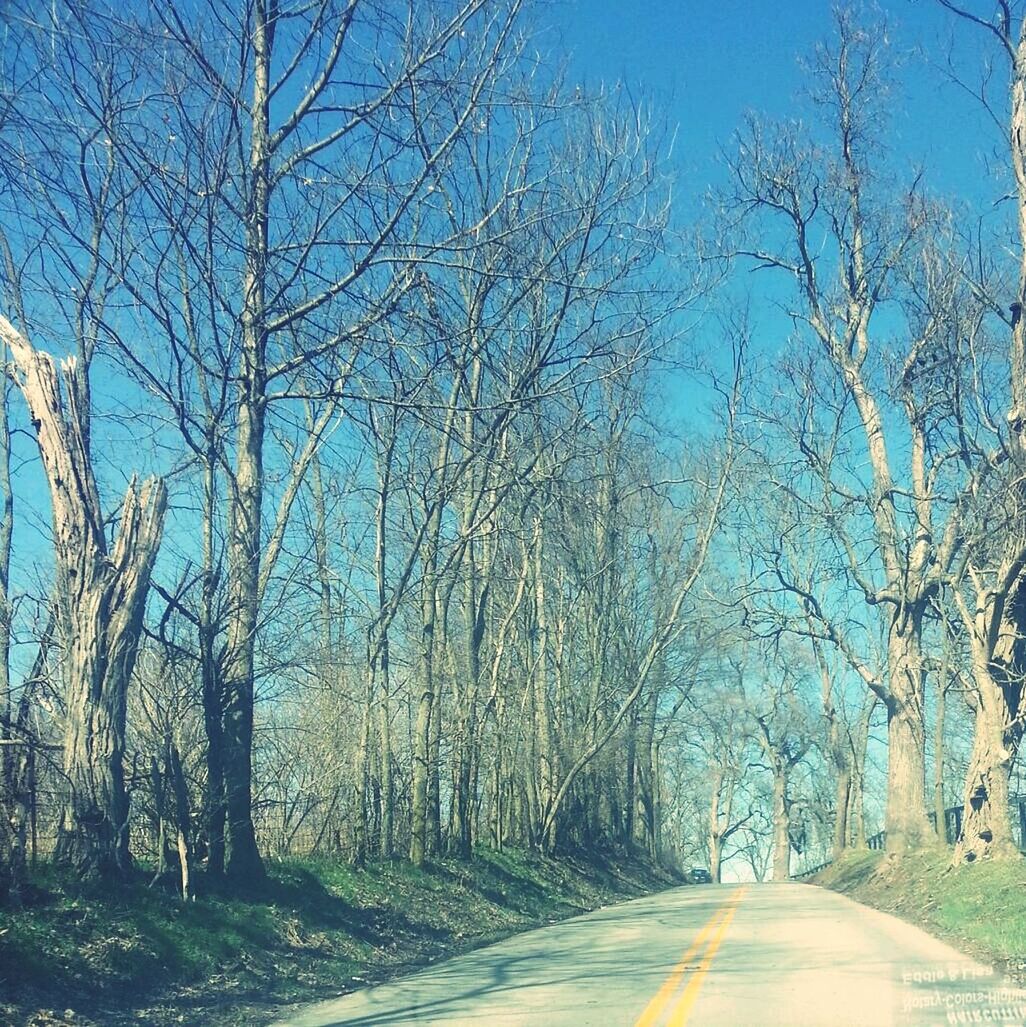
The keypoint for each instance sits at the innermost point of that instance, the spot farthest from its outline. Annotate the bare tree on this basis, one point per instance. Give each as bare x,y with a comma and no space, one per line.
101,598
989,582
803,189
272,272
785,735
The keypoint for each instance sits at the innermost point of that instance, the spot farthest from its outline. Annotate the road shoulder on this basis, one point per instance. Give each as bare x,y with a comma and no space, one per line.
979,908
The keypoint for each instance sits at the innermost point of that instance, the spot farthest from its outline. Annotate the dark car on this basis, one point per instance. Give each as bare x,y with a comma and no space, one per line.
699,875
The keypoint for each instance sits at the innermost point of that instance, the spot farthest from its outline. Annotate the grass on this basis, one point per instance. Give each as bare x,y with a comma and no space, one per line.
317,929
979,908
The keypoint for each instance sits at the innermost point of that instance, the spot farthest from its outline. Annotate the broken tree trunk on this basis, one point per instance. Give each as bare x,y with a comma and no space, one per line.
101,596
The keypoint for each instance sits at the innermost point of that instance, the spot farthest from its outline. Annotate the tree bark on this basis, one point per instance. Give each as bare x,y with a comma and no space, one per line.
183,818
387,841
994,627
715,833
12,830
100,600
938,757
781,826
986,827
244,529
542,713
215,813
419,842
907,824
630,779
860,745
842,818
361,775
648,778
434,794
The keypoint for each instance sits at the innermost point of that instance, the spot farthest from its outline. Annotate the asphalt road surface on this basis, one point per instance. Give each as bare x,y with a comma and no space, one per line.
755,956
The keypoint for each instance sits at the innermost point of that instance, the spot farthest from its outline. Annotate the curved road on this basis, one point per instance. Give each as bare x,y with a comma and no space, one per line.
755,956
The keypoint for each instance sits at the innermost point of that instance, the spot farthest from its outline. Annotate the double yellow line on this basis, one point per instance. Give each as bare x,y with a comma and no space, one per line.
707,943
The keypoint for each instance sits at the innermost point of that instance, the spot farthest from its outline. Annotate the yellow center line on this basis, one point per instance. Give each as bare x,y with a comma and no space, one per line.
655,1008
680,1013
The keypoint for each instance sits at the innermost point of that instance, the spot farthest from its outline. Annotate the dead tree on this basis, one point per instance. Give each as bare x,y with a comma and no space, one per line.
101,596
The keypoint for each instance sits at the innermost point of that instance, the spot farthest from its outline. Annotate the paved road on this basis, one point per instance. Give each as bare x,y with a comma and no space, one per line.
760,956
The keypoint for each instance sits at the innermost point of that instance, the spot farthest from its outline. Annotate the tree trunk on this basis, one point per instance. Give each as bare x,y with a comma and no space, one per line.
12,830
648,780
657,807
379,652
842,824
715,836
940,824
434,804
244,862
542,714
461,843
183,819
15,811
387,844
422,731
101,618
781,827
246,502
630,779
908,826
999,660
986,826
100,601
860,745
495,805
361,775
475,607
840,754
215,812
20,779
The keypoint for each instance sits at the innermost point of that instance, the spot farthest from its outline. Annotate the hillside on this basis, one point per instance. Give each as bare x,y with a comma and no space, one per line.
979,908
317,930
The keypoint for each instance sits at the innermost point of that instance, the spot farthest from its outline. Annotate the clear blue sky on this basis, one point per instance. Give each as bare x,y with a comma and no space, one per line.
707,62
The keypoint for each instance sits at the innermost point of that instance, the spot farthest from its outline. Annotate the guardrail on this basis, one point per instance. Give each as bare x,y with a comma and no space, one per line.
952,831
811,871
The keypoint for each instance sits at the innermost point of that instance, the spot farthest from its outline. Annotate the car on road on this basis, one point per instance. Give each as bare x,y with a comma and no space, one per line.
699,875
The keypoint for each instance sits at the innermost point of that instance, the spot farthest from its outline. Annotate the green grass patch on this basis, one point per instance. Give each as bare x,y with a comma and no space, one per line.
316,929
979,907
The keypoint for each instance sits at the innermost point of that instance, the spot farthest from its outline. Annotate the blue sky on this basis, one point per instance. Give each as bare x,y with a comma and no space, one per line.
703,65
707,62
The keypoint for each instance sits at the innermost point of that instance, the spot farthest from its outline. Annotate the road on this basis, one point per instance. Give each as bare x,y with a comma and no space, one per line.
756,956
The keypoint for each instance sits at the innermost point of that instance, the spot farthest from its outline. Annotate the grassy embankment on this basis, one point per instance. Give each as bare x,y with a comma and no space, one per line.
979,908
317,929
